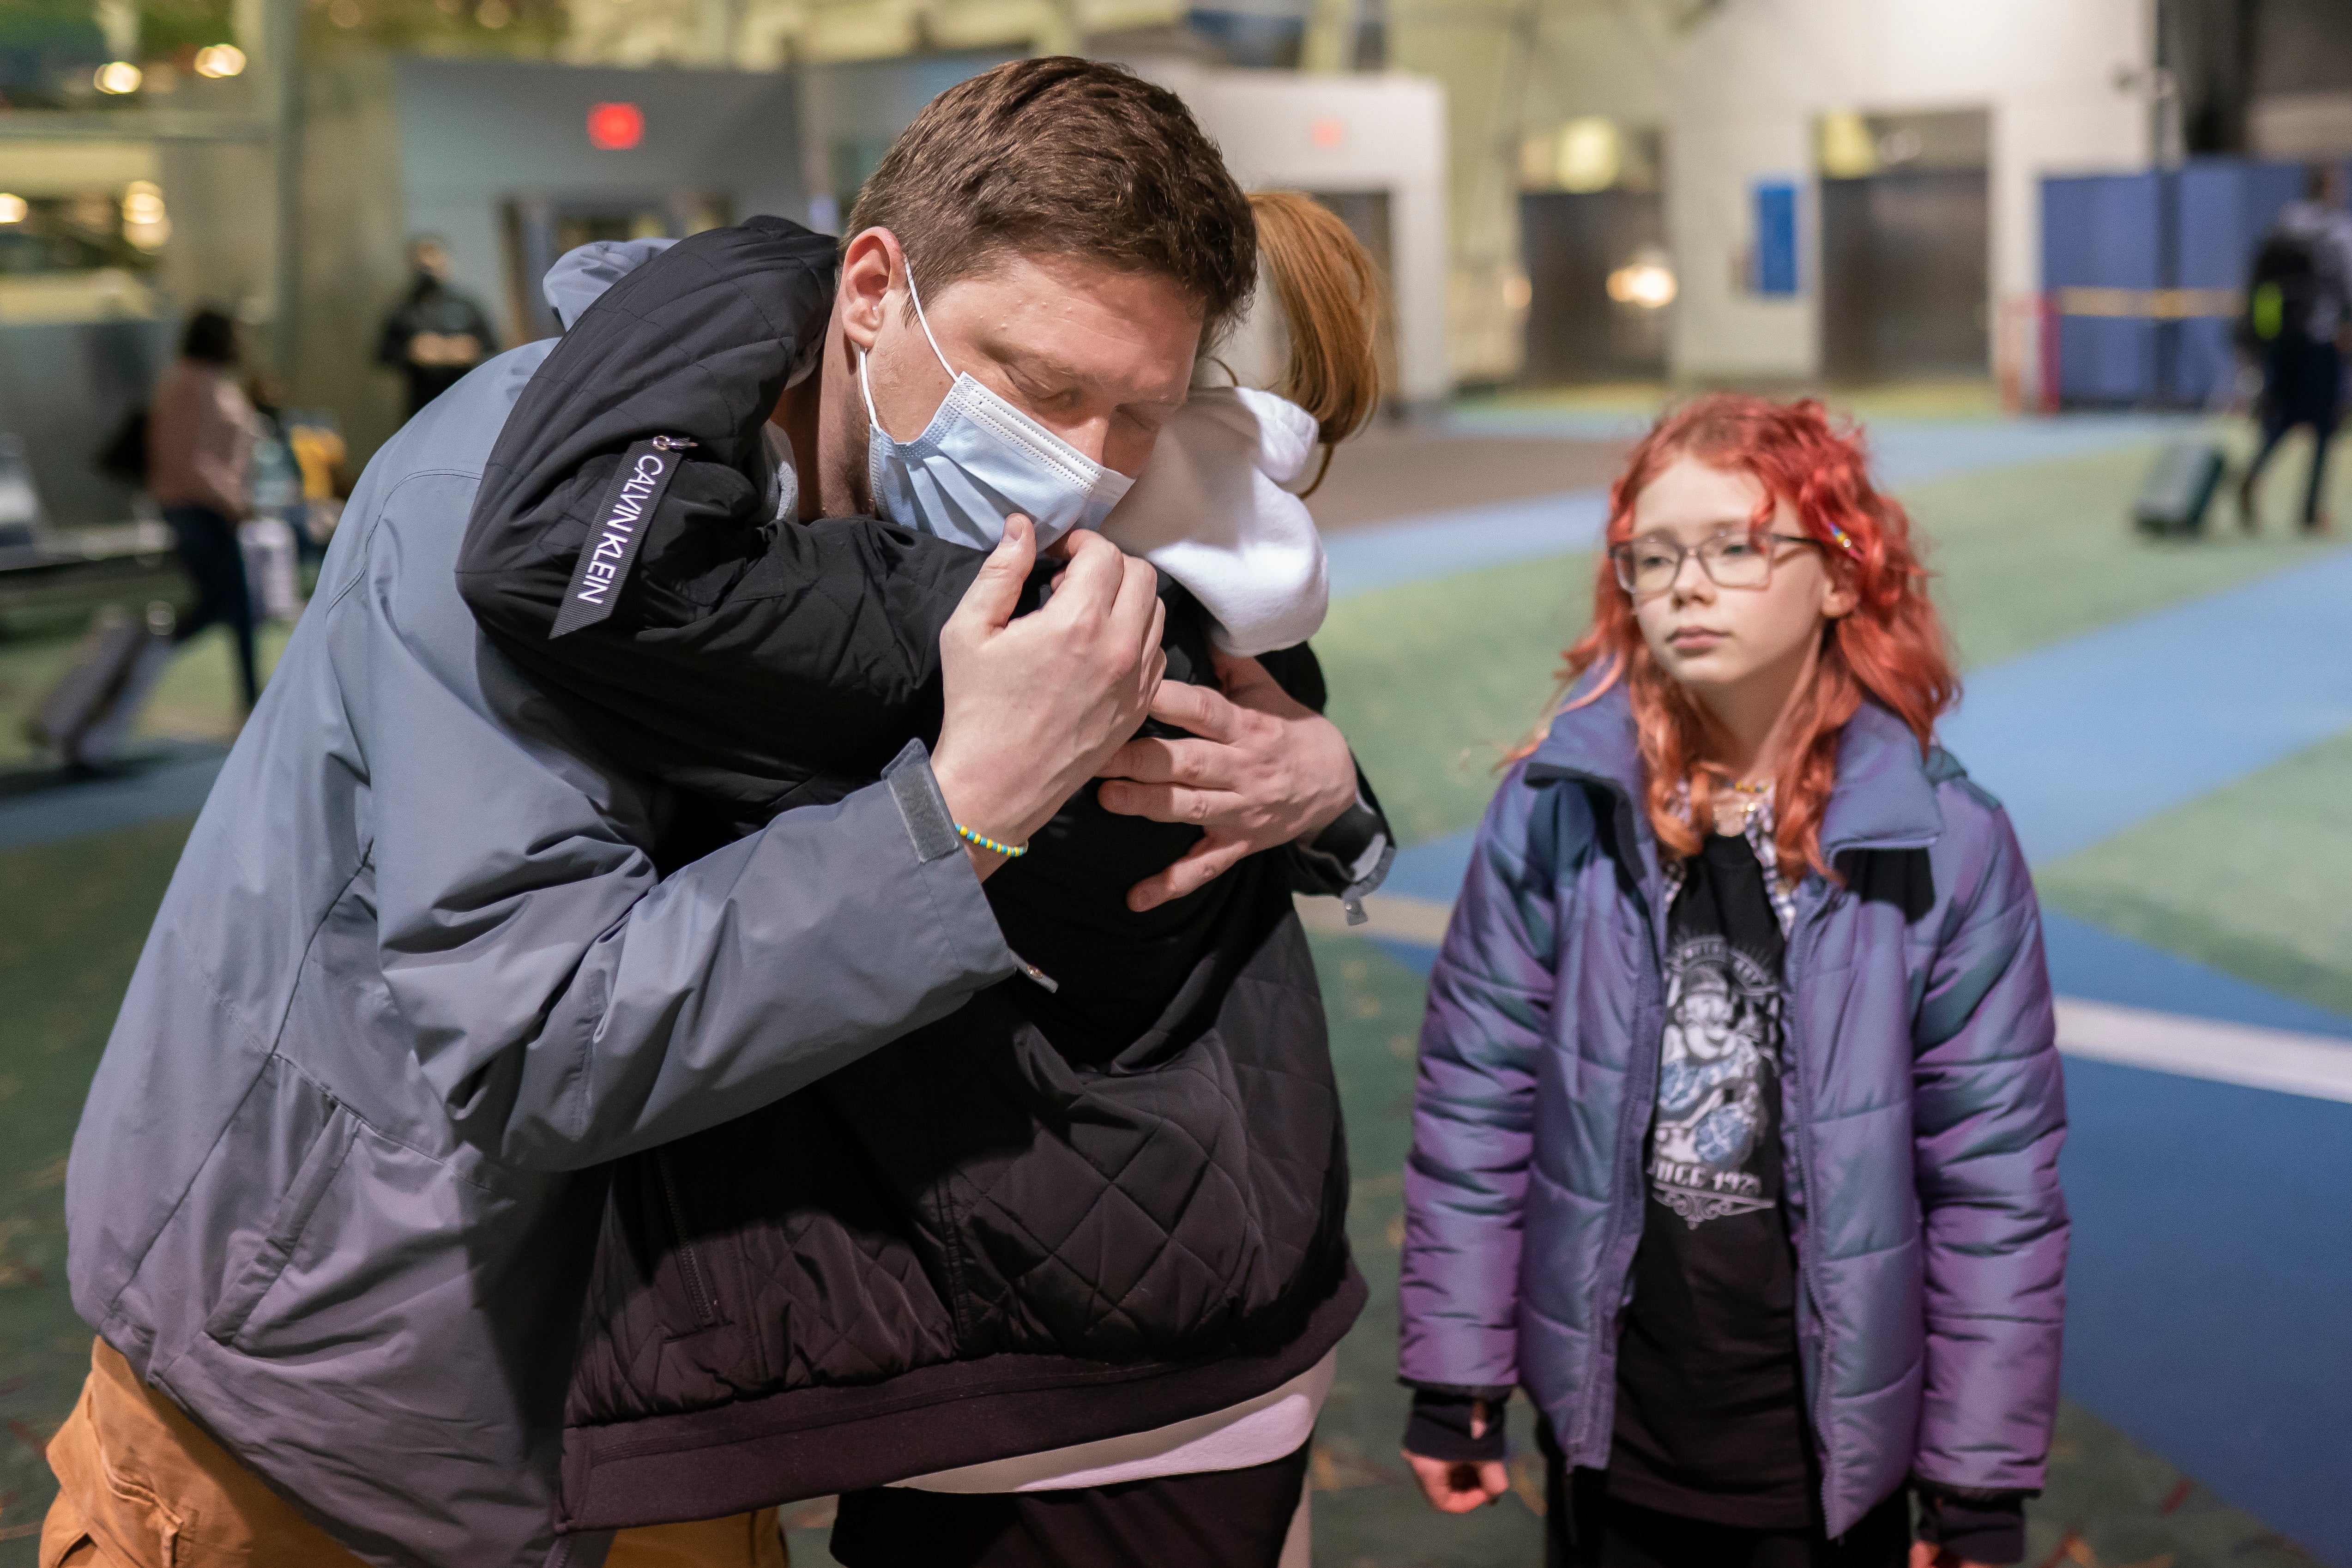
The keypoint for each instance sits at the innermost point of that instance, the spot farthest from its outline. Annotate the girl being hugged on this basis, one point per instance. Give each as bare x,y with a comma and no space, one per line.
1737,1132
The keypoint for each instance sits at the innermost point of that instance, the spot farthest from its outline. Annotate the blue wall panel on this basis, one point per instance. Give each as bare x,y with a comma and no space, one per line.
2196,227
2101,231
1776,238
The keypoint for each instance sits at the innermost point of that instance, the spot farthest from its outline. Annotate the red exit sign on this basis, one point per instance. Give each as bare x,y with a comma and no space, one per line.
613,127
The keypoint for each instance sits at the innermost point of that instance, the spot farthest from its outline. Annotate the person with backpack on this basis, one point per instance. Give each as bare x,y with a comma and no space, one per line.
1738,1122
2299,310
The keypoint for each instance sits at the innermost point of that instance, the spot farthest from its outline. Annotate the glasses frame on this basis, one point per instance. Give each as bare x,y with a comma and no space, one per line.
1618,558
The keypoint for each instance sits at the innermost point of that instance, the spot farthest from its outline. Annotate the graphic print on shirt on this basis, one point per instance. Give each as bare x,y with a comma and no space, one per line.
1720,1063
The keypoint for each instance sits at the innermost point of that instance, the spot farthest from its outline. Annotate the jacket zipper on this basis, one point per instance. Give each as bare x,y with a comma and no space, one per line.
1654,973
1794,1048
1630,1124
690,1260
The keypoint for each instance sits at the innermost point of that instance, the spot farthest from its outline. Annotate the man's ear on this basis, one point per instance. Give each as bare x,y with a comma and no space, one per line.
868,268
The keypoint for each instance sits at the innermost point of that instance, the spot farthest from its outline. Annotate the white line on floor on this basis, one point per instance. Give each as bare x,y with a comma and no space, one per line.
2312,1066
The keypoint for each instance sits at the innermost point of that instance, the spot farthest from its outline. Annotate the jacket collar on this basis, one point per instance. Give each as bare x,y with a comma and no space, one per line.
1884,798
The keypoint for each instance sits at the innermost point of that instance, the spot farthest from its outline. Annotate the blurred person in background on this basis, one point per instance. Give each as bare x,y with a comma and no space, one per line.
306,449
201,432
1737,1132
436,334
2298,315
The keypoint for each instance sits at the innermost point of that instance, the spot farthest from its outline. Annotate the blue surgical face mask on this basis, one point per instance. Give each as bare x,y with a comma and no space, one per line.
979,460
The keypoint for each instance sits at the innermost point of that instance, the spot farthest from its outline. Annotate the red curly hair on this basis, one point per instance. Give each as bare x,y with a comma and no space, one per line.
1890,648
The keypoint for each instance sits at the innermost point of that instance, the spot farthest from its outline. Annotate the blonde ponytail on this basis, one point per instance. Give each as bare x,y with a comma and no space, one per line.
1329,292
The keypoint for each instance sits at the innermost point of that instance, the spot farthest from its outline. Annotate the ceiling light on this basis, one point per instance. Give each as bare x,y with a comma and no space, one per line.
217,60
144,222
1646,280
14,208
117,77
1590,154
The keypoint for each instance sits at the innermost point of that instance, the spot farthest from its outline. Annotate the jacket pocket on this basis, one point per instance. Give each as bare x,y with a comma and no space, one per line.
696,1279
321,1164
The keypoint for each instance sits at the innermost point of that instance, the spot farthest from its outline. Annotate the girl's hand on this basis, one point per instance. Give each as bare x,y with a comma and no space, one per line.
1928,1554
1457,1486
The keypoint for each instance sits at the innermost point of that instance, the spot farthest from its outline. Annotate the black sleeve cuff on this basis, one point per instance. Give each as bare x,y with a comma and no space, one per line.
1439,1428
1981,1527
1349,858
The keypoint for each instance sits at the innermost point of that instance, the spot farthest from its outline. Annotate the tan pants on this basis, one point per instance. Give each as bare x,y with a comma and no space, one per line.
140,1486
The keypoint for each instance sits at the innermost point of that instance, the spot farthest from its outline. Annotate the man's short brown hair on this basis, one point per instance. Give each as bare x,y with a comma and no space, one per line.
1061,156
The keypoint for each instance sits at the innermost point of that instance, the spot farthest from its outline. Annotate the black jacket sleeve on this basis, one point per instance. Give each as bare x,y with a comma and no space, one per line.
1351,857
760,663
755,662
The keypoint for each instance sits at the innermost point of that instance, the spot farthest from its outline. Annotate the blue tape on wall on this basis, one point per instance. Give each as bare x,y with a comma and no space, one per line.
1775,265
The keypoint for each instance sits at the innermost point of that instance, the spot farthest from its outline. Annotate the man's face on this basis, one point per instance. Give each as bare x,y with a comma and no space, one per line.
431,259
1098,356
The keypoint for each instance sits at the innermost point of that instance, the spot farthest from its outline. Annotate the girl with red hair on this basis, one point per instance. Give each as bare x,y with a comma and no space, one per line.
1739,1114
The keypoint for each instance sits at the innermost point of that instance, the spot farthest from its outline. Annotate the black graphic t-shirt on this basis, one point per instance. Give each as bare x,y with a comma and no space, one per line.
1710,1415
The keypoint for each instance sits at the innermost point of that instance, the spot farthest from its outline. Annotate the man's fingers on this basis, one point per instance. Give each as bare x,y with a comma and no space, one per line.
1155,659
1194,869
1247,682
1149,760
1146,760
1201,710
1090,585
1238,673
996,592
1163,802
1138,595
1158,657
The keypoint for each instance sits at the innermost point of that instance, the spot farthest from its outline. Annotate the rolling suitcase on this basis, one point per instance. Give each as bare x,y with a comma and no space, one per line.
2179,489
86,717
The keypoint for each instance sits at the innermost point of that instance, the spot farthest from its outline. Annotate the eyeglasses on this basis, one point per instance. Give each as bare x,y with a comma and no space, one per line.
1650,565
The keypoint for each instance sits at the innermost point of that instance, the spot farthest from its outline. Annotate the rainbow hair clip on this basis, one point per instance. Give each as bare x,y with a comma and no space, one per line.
1846,541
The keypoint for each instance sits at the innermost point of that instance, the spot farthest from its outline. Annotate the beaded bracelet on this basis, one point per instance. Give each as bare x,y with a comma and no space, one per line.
1009,851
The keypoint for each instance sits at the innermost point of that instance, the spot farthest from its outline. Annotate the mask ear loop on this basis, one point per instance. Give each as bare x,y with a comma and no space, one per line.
922,321
866,386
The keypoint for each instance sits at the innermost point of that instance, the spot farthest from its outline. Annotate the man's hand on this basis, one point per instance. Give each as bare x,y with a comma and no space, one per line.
1264,771
1457,1486
1034,707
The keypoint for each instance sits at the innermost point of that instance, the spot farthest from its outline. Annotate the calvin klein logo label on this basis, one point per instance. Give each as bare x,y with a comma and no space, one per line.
628,506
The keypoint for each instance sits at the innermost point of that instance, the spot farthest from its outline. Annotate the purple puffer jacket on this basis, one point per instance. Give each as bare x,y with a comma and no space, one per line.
1922,1099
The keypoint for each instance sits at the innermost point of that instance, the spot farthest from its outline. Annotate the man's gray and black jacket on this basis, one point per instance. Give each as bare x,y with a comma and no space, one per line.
1079,1207
416,982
